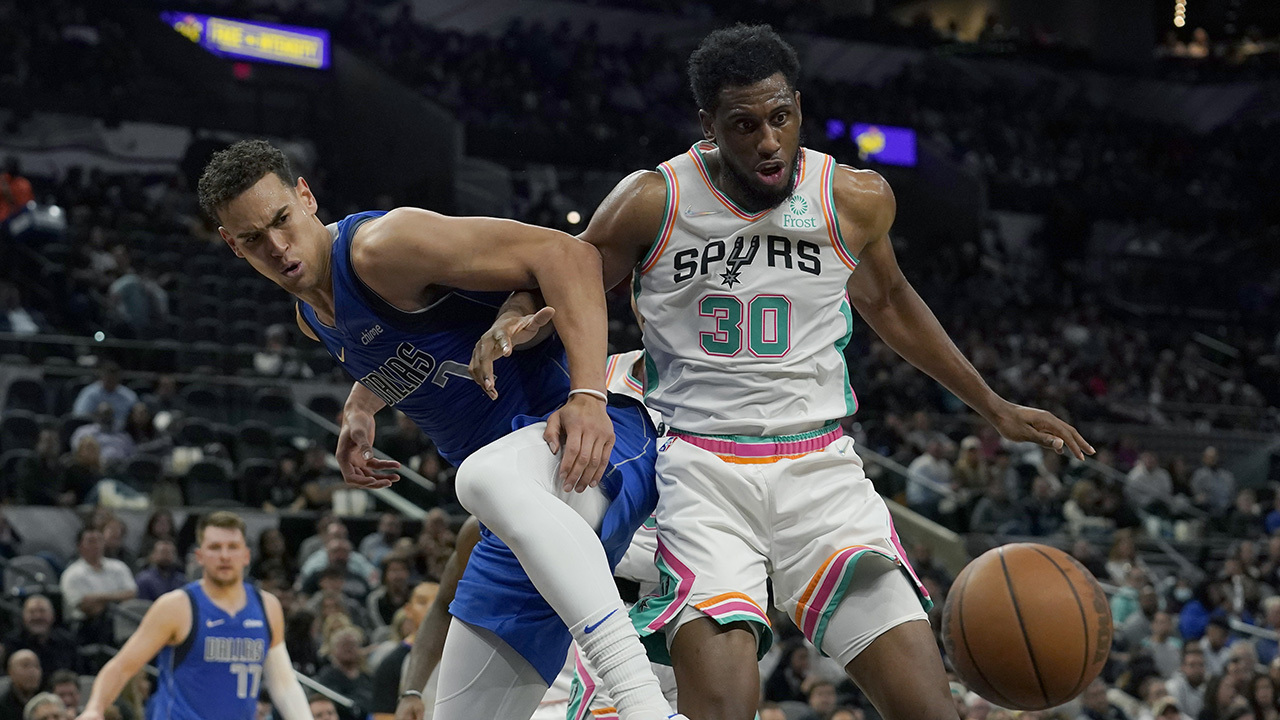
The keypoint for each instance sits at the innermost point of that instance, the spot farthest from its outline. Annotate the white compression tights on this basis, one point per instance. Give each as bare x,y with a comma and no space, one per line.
512,486
482,677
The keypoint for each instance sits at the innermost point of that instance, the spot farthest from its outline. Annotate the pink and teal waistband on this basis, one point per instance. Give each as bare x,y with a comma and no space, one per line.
763,449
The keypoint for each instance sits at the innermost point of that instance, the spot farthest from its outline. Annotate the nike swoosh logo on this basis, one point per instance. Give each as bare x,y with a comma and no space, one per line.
700,213
591,628
213,623
342,354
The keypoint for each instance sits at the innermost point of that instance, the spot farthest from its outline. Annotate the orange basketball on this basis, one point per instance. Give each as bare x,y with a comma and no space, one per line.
1026,626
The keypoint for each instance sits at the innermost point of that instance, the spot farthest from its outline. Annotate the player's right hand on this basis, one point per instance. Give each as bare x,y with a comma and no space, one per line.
410,707
584,430
507,333
355,453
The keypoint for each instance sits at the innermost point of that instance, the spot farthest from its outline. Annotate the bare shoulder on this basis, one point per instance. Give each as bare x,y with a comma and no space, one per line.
864,201
170,615
634,208
385,239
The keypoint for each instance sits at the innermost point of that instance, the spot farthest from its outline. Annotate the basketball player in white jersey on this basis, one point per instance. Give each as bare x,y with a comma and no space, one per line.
744,251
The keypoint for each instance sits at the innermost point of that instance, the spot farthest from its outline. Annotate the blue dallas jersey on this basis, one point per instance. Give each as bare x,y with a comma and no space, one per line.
216,672
417,361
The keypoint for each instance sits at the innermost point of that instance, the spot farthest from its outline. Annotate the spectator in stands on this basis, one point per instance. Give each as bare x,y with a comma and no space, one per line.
1214,486
299,639
822,700
15,318
376,545
1262,698
15,191
24,682
318,482
1194,618
405,441
392,593
789,679
994,512
345,672
1222,695
353,584
136,303
160,526
162,572
1123,556
1165,649
358,564
81,470
1150,691
322,708
1096,706
1215,645
1245,518
114,445
273,556
40,633
390,667
932,465
1084,553
1138,625
66,685
140,426
1083,512
106,388
1149,487
91,584
1267,648
45,706
317,541
1041,510
164,396
434,545
277,359
1125,600
39,482
114,534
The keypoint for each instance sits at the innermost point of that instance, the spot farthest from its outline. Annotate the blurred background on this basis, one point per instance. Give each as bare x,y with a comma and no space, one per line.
1087,197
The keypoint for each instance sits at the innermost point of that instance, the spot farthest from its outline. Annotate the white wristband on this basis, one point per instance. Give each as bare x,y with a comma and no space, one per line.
592,393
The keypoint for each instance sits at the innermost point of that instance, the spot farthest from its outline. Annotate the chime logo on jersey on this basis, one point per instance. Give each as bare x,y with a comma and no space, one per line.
797,215
728,258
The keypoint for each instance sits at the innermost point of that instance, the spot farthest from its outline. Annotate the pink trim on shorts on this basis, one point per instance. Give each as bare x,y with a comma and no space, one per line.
902,557
684,586
588,686
724,446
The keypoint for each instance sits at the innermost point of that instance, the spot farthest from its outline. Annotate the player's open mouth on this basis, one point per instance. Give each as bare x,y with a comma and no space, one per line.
771,173
292,270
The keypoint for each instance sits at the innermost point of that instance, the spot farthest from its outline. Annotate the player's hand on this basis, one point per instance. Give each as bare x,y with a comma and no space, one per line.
355,454
508,332
1025,424
581,428
410,707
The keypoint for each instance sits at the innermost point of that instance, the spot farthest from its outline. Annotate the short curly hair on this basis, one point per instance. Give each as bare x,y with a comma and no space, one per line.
232,171
736,56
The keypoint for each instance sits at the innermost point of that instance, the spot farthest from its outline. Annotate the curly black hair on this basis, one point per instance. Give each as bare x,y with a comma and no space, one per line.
736,56
238,168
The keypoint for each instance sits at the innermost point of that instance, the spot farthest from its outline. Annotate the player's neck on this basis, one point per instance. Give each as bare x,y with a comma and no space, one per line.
320,297
228,597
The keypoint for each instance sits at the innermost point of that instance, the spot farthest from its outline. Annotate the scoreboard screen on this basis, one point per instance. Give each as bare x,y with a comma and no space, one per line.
255,41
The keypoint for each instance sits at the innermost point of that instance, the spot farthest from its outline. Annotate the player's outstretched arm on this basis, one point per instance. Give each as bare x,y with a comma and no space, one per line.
355,442
167,622
407,251
522,320
883,297
428,643
277,672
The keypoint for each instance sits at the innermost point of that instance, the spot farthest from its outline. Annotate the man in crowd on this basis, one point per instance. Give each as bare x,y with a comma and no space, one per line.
162,573
1214,487
55,646
66,685
92,583
1187,687
375,546
25,677
106,388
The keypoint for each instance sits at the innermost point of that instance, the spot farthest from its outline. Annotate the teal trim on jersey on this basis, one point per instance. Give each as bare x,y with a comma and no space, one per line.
656,247
650,368
835,216
829,427
850,400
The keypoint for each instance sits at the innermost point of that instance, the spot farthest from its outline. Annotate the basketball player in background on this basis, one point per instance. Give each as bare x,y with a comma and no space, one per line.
218,639
743,251
399,299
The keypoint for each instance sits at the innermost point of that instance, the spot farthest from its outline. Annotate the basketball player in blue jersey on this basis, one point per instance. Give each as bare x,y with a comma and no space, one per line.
744,251
399,299
218,639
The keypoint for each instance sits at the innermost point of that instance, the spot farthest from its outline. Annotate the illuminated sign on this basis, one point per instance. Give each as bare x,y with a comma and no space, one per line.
881,143
259,41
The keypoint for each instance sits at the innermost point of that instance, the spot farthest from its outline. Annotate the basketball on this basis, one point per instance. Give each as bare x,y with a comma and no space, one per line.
1026,626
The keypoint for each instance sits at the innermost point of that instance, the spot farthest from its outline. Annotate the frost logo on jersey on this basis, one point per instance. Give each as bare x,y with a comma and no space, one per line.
367,336
797,214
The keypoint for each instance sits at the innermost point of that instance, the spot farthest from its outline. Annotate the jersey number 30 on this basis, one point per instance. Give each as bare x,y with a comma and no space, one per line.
248,677
768,325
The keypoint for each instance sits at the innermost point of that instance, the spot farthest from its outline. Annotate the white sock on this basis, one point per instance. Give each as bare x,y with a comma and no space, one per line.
613,648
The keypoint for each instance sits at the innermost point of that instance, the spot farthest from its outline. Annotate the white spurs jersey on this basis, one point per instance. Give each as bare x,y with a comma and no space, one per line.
746,315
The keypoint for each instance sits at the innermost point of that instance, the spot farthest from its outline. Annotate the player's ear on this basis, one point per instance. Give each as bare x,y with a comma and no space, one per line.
708,125
231,243
308,198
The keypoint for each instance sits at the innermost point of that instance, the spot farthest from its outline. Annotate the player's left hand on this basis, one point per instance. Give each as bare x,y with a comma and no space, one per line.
1026,424
583,429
